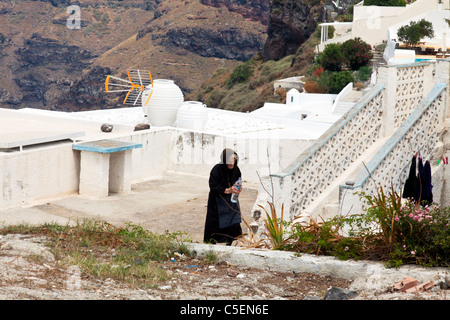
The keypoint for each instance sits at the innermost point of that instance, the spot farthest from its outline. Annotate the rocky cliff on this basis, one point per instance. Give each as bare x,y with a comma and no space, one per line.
227,43
46,65
86,92
256,10
229,29
291,24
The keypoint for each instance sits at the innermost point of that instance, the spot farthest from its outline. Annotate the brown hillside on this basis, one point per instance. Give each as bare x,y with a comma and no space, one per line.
46,65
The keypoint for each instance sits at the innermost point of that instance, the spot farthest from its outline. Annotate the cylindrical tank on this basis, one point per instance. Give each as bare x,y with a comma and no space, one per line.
166,99
192,115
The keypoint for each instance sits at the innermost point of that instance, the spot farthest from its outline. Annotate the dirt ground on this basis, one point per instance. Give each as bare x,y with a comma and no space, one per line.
31,278
173,203
191,279
23,278
31,273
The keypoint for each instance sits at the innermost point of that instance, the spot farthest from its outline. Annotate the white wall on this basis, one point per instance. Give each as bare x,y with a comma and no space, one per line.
44,172
372,22
153,158
437,18
196,152
38,174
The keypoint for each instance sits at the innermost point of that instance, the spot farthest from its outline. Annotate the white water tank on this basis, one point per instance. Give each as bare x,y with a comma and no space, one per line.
162,107
192,115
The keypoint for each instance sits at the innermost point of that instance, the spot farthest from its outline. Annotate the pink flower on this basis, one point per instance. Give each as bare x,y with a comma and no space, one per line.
396,219
413,252
411,215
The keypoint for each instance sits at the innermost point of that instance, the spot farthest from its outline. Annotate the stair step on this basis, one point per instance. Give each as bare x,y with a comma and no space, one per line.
343,107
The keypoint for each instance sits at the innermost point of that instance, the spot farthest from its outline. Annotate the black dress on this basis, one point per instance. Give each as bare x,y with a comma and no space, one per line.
412,183
418,187
426,186
221,178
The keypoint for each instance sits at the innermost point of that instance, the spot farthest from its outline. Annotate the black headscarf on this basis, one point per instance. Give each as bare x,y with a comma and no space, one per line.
231,175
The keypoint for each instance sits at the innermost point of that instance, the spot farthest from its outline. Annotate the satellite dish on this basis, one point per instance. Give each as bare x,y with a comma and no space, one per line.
138,81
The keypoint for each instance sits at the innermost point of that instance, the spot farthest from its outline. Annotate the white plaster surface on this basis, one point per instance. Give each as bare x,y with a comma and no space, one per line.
94,174
366,275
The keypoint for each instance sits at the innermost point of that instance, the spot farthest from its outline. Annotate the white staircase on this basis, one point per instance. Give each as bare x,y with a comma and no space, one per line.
373,141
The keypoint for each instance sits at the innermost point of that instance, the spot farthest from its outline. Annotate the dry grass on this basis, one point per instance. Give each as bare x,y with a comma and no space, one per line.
128,254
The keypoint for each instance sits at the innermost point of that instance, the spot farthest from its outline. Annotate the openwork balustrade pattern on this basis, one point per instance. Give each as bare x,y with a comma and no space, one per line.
340,149
409,91
419,133
403,106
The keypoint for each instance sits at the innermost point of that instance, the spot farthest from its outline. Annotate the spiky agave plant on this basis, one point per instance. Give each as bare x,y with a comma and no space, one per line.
274,226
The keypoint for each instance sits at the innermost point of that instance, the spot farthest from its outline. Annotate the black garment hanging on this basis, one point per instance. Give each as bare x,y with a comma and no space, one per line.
411,184
418,187
425,183
419,179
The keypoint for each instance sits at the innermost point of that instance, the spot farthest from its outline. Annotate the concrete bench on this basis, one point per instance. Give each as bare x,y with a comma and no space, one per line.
105,166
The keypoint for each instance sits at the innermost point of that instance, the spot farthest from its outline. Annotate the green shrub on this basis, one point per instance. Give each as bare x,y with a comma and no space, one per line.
331,58
393,230
241,73
364,73
357,53
215,98
386,3
411,34
411,233
334,82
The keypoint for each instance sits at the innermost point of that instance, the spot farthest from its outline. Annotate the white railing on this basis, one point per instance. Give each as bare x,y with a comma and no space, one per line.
344,92
420,132
326,159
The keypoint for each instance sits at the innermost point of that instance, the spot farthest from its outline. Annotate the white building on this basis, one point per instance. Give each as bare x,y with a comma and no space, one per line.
378,24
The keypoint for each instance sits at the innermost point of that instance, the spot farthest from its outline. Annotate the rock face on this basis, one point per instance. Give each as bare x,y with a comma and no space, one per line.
291,24
53,75
257,10
227,43
46,65
293,21
42,70
212,33
86,94
56,3
39,51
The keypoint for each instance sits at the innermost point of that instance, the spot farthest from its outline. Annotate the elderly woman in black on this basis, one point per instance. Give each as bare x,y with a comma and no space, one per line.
223,217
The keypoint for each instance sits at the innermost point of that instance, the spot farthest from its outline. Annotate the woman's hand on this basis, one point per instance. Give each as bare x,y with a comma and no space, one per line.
232,189
235,190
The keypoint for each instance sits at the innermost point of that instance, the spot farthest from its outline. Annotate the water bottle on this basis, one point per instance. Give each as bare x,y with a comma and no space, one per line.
237,184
